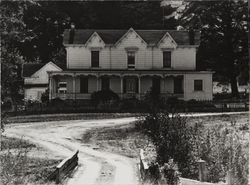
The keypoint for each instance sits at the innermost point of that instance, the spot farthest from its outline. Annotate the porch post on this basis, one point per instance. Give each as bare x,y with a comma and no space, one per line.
121,87
50,87
139,87
74,86
97,83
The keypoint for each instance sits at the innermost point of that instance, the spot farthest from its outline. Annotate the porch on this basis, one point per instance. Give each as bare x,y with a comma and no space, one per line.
129,84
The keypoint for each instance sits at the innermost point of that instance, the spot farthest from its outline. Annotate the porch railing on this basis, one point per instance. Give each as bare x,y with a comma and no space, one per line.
75,96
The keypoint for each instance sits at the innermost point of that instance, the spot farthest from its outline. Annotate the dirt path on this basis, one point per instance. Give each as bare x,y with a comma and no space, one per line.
61,138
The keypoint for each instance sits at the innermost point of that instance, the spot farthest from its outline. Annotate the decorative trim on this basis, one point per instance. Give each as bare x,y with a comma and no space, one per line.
171,38
125,35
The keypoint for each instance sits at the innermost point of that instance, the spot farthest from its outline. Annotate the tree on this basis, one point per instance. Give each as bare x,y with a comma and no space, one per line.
224,32
13,32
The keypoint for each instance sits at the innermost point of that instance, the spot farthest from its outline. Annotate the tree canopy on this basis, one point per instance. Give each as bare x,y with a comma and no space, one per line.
224,36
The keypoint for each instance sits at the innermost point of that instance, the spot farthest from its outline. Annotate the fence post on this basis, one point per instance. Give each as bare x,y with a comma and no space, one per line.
202,170
57,175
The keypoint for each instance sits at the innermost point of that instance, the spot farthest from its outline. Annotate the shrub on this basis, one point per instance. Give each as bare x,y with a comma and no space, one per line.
45,97
224,150
104,97
152,101
173,138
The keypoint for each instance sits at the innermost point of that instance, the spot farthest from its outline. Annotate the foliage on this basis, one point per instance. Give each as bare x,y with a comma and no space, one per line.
223,147
13,167
152,100
173,138
224,43
45,97
170,173
13,32
224,150
104,96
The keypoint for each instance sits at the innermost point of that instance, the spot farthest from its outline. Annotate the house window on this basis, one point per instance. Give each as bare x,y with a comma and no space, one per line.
130,85
83,85
94,58
105,83
178,87
62,87
198,85
166,59
131,59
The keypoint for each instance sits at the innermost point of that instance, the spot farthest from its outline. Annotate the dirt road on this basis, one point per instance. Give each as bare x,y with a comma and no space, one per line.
62,138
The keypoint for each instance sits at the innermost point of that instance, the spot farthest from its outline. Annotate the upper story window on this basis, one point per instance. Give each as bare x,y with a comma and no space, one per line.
94,58
131,59
166,59
198,86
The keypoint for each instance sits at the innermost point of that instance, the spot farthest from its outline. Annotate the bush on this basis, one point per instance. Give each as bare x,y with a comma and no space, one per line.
45,97
104,97
173,138
224,150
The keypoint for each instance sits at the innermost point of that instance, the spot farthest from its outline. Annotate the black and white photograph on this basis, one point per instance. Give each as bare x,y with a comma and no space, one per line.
121,92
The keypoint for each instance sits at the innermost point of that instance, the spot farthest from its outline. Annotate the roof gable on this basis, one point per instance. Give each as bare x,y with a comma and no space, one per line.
131,30
46,65
94,36
167,41
151,37
30,69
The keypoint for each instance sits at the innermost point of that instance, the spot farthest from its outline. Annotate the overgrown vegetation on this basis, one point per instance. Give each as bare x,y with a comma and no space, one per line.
17,167
224,147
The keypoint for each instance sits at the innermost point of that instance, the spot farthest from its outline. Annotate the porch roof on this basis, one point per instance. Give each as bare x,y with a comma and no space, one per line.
119,72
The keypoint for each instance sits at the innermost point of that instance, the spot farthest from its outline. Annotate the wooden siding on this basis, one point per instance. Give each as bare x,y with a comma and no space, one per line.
41,76
116,57
205,94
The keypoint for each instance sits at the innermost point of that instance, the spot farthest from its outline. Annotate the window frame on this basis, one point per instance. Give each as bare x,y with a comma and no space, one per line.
95,64
62,89
167,59
200,86
131,54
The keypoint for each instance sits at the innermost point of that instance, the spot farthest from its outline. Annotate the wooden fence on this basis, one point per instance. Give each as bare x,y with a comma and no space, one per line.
63,169
143,166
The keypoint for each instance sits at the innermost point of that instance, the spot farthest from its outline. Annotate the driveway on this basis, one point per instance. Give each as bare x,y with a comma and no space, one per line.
62,138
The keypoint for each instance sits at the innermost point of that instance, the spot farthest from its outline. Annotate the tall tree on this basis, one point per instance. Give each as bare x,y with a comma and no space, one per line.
13,32
224,32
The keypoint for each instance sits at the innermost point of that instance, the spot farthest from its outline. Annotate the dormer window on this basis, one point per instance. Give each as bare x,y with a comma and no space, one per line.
166,59
94,58
131,59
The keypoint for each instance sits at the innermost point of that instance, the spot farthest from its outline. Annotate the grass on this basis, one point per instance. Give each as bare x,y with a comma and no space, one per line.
18,168
124,140
63,117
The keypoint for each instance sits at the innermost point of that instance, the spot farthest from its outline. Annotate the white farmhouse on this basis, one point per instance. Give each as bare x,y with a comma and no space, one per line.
130,62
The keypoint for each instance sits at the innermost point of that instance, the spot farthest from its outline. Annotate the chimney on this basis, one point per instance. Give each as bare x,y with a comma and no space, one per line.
71,33
191,36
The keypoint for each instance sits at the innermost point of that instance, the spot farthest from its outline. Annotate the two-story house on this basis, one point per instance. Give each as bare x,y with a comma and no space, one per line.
130,62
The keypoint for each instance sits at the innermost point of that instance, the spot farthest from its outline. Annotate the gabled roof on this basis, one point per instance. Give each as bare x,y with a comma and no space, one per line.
30,68
152,37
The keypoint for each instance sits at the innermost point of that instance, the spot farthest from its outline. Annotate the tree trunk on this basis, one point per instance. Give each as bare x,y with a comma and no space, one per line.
234,87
